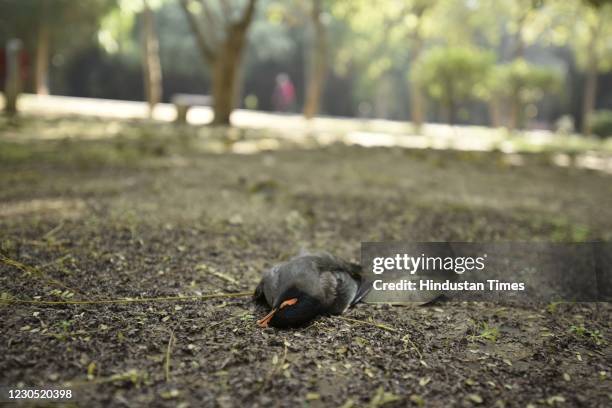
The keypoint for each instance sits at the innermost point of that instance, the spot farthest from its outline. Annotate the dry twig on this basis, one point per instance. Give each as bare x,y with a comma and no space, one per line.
168,352
379,325
35,272
128,300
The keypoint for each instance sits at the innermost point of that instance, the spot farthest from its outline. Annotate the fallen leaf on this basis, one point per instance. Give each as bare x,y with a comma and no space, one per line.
475,398
311,396
424,381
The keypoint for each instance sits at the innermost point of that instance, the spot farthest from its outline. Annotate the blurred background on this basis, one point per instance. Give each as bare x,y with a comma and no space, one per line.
518,64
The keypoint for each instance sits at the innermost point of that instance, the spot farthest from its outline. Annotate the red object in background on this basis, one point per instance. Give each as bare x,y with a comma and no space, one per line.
288,92
24,66
284,94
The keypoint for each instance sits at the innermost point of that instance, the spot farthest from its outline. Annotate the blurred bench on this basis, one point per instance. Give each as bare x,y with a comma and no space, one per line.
184,102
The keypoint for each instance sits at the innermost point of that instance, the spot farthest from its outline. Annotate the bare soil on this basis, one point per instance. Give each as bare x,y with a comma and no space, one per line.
154,211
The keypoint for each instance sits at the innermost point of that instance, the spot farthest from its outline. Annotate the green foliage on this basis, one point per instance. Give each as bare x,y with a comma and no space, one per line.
71,22
485,332
583,25
552,307
523,80
601,123
453,74
371,48
378,42
594,335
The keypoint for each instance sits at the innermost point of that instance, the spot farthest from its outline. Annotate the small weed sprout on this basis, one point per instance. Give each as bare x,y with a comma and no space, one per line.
594,335
486,332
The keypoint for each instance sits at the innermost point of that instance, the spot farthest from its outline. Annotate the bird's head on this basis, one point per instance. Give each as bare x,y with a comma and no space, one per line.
292,308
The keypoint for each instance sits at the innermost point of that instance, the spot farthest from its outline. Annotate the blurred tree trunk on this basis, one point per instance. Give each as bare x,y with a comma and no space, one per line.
590,87
494,112
225,76
41,74
519,43
12,84
417,100
451,114
223,55
588,104
513,120
150,60
513,103
515,108
318,63
451,104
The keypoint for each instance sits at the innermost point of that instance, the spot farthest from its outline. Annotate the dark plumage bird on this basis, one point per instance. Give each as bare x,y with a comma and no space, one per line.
307,286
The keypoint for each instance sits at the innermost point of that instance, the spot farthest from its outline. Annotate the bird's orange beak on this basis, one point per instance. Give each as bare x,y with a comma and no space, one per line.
263,322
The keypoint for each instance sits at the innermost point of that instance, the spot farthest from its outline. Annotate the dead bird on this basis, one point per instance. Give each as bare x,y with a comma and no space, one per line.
307,286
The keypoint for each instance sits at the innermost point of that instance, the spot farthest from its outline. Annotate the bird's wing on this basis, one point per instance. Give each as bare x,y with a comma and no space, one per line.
355,271
268,287
362,291
350,286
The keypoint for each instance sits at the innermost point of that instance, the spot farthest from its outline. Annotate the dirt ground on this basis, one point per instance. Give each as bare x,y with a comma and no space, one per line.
99,210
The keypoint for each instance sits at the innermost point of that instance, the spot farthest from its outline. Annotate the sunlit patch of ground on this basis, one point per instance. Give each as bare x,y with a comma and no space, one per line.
38,207
277,131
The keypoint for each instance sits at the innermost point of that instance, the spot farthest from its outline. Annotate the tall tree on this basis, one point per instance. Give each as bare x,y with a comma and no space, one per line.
41,76
509,26
51,26
451,75
386,40
150,59
12,84
594,41
417,100
583,25
318,61
220,31
521,83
